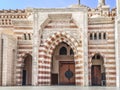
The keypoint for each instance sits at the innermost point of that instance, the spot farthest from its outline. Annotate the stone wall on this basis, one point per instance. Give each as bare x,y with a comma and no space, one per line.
63,29
0,60
9,60
35,29
117,49
104,46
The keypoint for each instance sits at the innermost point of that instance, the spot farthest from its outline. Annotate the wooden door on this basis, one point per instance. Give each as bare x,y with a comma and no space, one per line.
96,75
54,79
24,77
67,73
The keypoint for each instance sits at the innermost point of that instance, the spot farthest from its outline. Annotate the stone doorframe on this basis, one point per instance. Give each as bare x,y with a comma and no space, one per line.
90,65
19,68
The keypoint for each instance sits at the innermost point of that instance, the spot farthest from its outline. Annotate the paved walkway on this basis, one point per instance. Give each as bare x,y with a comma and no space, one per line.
58,88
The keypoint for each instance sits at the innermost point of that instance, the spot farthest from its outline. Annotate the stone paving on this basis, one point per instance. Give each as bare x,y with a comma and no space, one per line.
58,88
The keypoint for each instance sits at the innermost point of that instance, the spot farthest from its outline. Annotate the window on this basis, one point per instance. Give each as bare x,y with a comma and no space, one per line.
63,51
29,36
104,35
25,37
95,36
97,57
93,57
99,35
91,37
71,52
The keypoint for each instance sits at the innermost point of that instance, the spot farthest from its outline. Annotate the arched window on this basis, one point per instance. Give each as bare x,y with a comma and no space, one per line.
25,37
93,57
97,57
91,36
29,36
99,35
71,52
63,51
95,36
104,35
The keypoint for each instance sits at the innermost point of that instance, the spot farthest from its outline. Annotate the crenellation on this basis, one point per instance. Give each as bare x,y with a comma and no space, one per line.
12,11
103,11
8,15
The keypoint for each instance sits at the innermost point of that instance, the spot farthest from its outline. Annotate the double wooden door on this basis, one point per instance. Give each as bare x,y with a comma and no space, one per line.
96,75
67,73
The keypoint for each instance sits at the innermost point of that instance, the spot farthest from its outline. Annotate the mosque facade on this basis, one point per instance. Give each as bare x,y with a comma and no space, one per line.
76,45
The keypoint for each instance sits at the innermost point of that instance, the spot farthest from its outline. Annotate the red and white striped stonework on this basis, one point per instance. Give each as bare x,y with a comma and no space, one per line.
19,67
106,48
90,64
45,54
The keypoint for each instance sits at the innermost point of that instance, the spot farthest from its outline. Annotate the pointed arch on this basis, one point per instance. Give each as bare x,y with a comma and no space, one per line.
92,55
97,59
19,68
46,55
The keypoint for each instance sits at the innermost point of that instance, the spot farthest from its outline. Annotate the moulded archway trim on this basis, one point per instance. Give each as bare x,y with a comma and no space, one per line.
103,55
47,52
90,63
20,64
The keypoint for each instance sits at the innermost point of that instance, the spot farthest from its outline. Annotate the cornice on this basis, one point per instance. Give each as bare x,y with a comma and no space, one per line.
83,9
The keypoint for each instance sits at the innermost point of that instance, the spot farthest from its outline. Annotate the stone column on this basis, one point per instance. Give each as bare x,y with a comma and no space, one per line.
85,49
35,48
117,50
5,64
82,22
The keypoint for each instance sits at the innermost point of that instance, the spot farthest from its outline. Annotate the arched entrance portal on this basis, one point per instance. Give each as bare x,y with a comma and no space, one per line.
63,66
46,55
27,70
98,71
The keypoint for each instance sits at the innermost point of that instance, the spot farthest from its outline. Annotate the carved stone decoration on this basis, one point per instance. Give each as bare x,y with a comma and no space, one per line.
22,22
